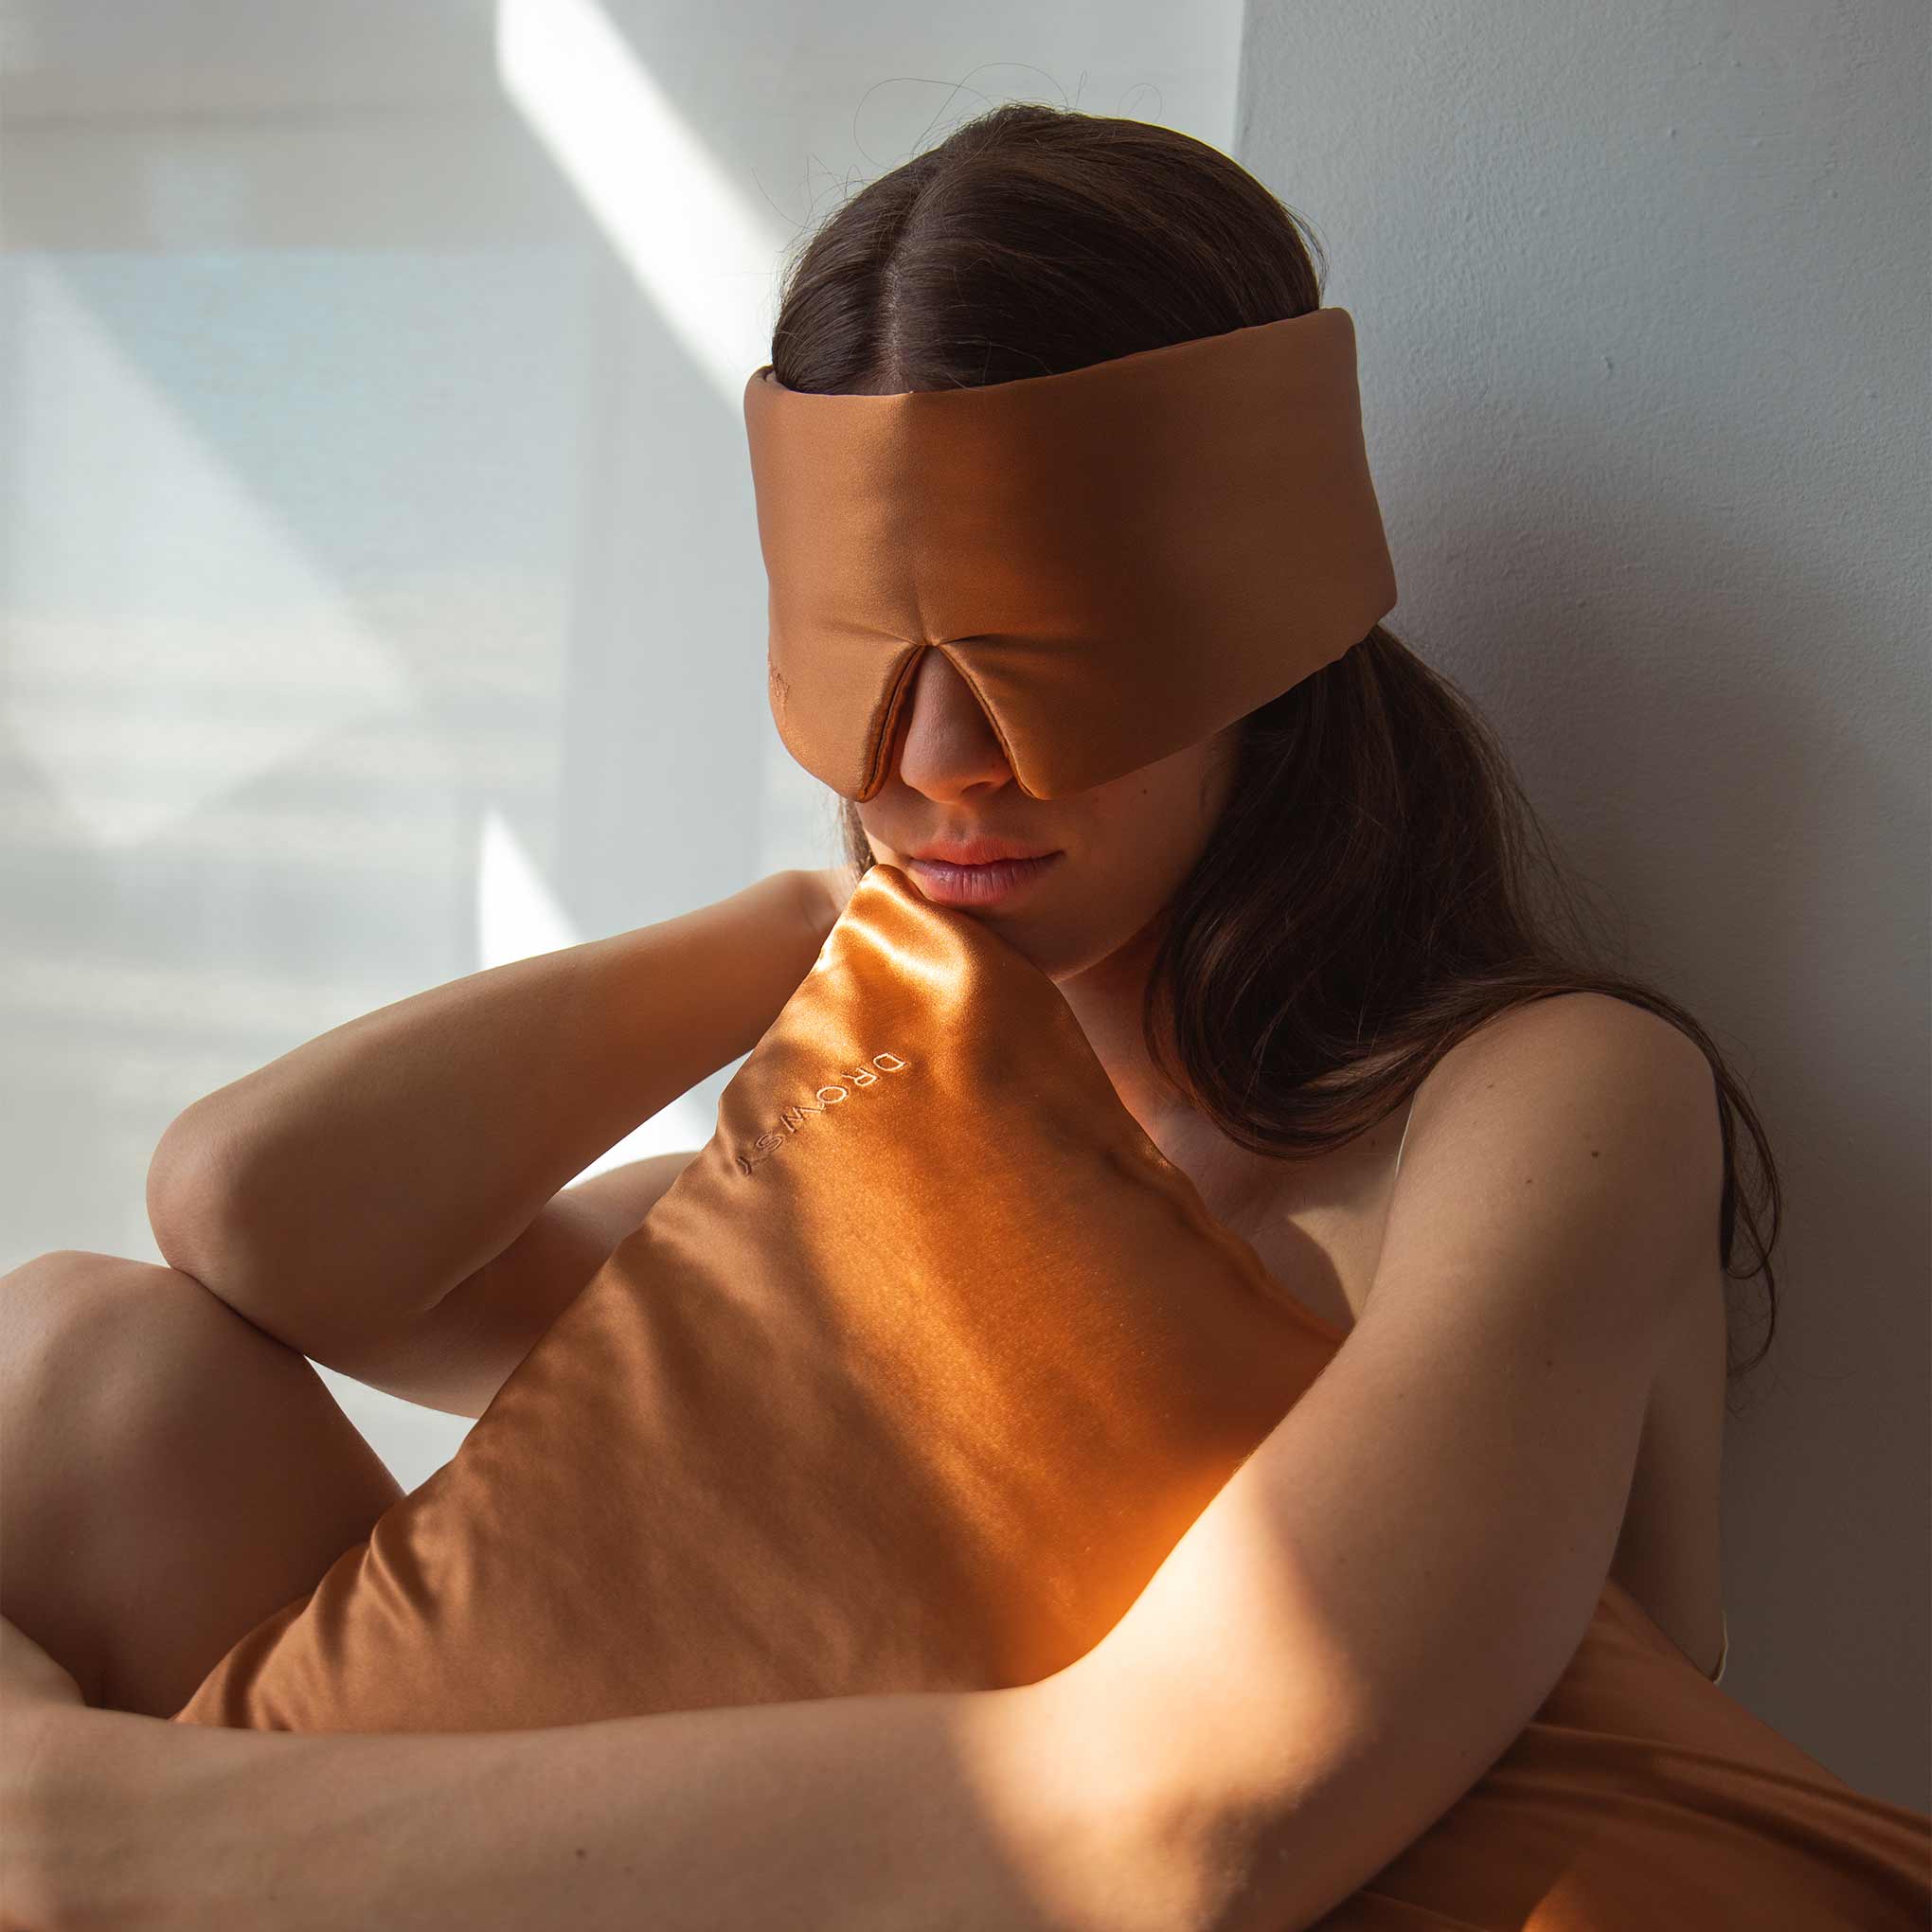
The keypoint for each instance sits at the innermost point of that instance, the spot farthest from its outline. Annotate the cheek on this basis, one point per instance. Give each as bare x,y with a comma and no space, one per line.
1169,807
1141,845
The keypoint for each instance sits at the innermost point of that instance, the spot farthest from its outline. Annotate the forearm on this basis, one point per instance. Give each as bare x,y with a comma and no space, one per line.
1002,1810
394,1156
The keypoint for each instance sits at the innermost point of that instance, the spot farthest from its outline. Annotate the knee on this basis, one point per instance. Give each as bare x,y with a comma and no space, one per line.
100,1342
77,1271
54,1294
73,1289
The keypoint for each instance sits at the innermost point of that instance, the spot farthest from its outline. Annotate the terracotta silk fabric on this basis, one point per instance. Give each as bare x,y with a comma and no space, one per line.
1120,559
1641,1798
910,1382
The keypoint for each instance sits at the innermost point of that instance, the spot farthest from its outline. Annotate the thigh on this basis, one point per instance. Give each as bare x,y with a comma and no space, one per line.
170,1475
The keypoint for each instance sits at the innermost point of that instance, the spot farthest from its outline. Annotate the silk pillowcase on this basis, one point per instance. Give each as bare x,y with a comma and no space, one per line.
909,1382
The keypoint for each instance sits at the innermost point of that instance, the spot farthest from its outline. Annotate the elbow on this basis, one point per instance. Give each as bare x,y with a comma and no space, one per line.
182,1177
1133,1838
174,1196
1190,1840
193,1195
1210,1869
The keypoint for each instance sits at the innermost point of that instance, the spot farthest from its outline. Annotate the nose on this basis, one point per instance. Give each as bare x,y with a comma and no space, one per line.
945,746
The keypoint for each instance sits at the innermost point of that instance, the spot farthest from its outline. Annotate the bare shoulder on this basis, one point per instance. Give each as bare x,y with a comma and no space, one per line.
1611,1045
1578,1108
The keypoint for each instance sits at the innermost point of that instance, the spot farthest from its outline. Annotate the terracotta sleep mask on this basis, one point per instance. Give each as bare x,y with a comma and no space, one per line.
1118,560
910,1382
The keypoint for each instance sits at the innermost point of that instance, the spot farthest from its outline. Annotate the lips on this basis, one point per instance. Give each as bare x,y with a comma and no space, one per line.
978,852
991,883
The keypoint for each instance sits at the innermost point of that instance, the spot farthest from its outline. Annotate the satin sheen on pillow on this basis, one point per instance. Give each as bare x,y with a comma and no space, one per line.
909,1382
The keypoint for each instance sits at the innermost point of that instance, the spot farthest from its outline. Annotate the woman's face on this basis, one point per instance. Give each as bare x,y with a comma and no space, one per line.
1123,846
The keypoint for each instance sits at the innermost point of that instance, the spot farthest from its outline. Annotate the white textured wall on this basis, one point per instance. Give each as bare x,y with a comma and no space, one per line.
1642,300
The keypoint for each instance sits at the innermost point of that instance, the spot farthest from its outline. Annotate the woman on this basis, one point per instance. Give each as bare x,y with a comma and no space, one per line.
1309,950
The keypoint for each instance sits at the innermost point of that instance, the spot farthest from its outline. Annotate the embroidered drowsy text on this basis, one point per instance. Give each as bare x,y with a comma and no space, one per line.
832,1094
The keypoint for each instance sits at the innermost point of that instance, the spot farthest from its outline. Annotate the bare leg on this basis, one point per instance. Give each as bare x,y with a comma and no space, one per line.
169,1474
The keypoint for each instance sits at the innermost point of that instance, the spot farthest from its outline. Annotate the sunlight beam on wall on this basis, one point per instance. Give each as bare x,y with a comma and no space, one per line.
699,247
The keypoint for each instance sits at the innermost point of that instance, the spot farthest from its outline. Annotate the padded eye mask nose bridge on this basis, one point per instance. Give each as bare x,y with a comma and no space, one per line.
885,716
885,725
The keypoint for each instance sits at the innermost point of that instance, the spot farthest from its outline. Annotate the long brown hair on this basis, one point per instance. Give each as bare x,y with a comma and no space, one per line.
1379,885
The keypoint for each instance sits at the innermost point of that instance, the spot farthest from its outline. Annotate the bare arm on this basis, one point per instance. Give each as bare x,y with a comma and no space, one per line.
353,1182
1000,1811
